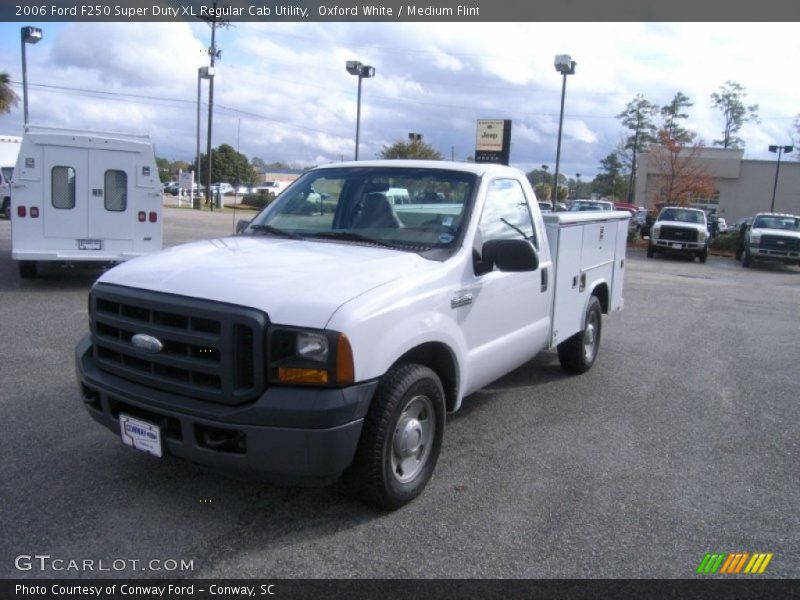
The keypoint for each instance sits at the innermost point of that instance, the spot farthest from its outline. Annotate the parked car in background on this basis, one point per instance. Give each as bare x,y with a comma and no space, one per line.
273,187
642,220
591,205
772,237
221,188
741,228
680,229
546,206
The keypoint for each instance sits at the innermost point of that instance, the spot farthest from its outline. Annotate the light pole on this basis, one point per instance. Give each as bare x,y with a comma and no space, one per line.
362,72
577,185
202,73
780,150
28,35
566,66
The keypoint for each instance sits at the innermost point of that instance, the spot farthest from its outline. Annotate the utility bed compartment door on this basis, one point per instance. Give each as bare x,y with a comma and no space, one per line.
112,194
587,251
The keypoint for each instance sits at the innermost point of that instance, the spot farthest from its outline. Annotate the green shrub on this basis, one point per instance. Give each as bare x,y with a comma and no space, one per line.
258,200
725,241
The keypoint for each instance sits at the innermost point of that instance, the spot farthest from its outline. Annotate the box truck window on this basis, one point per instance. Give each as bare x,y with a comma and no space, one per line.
116,190
63,187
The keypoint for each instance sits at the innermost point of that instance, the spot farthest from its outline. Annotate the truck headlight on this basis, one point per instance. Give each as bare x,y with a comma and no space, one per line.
309,357
655,231
755,239
702,236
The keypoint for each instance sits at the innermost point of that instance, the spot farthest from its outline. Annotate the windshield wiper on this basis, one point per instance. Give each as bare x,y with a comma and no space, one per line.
276,231
350,236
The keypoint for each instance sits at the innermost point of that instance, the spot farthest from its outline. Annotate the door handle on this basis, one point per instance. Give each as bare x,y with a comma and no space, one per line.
544,280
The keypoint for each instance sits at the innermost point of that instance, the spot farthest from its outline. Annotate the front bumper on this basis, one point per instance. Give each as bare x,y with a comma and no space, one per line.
678,246
765,254
287,435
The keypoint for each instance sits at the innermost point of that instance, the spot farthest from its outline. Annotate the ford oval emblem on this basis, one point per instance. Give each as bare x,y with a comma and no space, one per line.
147,343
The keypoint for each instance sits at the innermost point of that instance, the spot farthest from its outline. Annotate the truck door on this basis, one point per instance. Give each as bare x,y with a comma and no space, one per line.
111,194
508,319
66,192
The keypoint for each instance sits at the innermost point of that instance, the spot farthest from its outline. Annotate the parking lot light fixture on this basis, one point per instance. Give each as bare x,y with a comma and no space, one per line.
566,66
780,150
28,35
361,71
202,73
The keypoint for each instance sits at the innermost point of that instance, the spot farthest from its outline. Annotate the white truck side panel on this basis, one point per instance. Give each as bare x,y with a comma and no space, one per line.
586,253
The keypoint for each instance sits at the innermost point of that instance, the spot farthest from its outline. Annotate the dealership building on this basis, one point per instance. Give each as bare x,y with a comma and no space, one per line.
742,187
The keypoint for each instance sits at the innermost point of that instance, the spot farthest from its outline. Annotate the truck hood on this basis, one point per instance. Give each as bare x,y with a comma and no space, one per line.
697,226
295,282
780,232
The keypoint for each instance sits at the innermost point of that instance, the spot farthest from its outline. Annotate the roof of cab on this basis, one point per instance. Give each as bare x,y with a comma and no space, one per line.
476,168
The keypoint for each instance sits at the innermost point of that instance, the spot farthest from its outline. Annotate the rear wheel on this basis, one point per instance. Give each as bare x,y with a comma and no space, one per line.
6,208
578,353
401,437
651,252
27,269
746,260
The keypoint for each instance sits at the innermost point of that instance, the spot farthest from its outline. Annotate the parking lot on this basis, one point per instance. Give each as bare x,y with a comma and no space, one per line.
682,440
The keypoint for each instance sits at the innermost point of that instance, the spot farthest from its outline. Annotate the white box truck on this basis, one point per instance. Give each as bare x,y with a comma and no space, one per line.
9,149
84,196
335,332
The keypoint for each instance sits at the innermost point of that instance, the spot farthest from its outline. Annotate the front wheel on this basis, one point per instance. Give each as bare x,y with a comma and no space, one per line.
401,437
578,353
651,252
703,255
746,261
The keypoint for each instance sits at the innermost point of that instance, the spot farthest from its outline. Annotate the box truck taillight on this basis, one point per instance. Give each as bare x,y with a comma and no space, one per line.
153,217
21,212
34,212
142,216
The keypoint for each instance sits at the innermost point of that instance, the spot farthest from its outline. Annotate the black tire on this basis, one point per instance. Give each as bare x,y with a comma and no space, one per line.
574,354
27,269
703,255
651,252
6,209
377,472
746,261
738,255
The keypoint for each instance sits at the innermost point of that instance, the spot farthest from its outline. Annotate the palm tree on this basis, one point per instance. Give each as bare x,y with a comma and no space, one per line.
8,97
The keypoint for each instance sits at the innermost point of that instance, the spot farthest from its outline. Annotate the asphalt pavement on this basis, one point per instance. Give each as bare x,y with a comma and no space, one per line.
681,440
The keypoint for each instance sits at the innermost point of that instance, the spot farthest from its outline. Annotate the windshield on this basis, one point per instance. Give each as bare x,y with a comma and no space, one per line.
682,214
406,208
777,222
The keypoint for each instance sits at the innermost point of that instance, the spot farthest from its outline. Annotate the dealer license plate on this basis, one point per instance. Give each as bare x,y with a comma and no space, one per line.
677,246
140,435
90,244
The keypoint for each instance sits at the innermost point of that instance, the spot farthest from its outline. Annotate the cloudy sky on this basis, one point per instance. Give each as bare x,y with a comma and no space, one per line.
282,92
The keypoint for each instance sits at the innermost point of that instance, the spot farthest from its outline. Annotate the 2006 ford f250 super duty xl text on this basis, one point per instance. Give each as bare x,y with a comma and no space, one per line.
337,329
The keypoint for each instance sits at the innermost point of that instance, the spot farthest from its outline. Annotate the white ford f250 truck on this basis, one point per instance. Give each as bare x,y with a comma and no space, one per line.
337,329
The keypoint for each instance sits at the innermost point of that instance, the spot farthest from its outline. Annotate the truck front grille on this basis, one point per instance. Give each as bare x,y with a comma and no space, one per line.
679,234
209,350
780,242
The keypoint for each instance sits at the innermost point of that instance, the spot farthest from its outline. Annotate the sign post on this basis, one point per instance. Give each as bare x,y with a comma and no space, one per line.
186,182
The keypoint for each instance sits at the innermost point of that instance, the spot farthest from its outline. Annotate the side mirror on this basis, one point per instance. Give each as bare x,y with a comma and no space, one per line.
241,225
511,255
